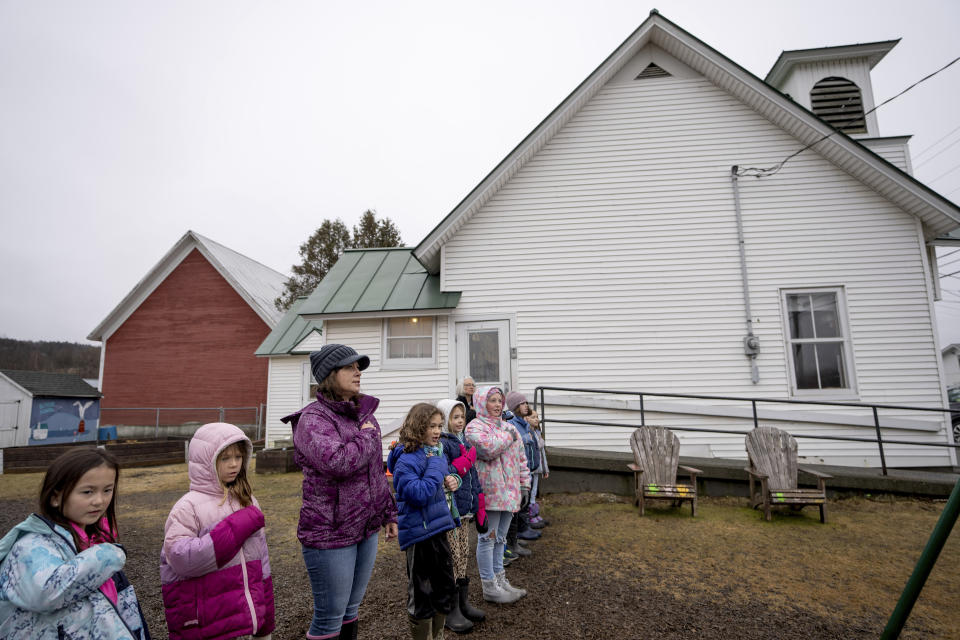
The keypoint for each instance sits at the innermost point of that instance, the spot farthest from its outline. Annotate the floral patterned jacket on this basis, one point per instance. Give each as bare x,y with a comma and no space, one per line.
49,591
501,462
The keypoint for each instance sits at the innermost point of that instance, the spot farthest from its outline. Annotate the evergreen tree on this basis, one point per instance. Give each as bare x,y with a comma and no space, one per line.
322,249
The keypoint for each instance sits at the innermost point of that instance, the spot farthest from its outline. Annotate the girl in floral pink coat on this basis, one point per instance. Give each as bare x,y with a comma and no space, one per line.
505,477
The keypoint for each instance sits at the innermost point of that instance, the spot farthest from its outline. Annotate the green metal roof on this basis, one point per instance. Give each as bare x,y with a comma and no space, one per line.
289,332
377,280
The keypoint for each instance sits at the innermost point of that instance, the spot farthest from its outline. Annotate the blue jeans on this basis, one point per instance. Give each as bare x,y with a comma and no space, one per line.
490,545
339,579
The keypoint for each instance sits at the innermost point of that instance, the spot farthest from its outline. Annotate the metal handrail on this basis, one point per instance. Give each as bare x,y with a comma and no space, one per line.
539,400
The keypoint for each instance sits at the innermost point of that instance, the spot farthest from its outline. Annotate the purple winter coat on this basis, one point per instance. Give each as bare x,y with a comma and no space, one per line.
346,498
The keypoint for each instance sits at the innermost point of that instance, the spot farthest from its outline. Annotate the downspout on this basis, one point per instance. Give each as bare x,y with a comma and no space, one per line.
751,344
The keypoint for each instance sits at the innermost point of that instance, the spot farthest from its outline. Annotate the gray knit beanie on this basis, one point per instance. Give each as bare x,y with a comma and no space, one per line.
334,356
515,399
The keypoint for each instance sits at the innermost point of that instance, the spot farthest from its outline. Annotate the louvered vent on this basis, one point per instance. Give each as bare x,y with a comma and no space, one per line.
838,101
652,71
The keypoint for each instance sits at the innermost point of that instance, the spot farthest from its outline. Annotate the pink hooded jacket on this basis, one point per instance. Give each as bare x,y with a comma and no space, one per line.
501,462
214,565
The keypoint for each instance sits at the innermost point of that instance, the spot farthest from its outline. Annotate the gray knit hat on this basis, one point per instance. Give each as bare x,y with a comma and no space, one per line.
334,356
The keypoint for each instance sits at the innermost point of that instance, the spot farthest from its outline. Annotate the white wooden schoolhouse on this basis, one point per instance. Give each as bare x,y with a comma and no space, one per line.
604,252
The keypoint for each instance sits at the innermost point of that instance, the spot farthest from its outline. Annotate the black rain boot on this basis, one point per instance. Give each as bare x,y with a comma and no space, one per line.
456,621
421,629
468,610
348,630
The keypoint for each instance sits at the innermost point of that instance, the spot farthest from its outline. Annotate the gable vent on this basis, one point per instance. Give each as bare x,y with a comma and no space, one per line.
838,101
652,71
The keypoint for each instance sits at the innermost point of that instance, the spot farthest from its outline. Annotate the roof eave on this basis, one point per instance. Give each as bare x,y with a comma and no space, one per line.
874,52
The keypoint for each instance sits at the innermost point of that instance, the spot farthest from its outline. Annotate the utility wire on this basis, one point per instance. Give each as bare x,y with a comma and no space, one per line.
950,170
762,172
939,140
957,141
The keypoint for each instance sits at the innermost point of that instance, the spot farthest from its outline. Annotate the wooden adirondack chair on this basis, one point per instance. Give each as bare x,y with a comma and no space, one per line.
773,461
656,452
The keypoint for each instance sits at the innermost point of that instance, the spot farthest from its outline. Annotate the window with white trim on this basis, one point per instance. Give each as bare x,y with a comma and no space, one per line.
818,344
409,341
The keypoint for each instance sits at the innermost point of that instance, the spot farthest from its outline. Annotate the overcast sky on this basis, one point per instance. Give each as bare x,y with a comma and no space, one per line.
123,124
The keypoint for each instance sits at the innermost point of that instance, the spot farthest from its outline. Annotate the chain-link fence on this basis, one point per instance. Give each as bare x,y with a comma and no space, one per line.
161,422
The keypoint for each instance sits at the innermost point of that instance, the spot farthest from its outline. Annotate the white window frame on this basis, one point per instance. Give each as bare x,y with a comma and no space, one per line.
850,393
386,362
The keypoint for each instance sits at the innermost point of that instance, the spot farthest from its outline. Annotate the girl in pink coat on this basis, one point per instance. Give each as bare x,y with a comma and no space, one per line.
214,565
505,478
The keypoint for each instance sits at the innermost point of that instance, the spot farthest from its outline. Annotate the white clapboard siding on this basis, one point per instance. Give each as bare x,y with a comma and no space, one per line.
312,342
284,394
615,247
738,417
397,389
893,150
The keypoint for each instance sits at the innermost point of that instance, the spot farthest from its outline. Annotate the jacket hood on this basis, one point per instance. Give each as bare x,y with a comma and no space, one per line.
446,406
480,401
33,524
393,456
205,446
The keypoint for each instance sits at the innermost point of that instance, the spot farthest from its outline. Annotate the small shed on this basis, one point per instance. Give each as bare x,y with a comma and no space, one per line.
37,407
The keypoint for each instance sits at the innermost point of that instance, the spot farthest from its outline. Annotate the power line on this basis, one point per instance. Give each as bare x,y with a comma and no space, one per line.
941,138
760,172
957,141
950,170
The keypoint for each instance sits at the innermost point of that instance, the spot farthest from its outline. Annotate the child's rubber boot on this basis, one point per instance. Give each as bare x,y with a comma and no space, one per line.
493,593
468,610
509,556
421,629
520,551
529,534
438,626
456,621
505,585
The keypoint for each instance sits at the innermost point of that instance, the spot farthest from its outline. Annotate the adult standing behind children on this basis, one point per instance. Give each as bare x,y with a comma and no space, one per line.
465,391
505,477
346,498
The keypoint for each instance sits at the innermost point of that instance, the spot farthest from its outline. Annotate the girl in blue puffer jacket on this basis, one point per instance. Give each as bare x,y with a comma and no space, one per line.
426,512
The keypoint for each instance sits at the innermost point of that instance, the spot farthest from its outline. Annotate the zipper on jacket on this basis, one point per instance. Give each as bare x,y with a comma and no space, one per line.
246,591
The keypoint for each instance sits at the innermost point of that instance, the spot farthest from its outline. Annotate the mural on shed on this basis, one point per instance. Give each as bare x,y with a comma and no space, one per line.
61,420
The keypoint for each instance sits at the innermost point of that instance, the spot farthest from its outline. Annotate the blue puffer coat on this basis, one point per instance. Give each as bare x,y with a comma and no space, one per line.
422,505
468,495
530,448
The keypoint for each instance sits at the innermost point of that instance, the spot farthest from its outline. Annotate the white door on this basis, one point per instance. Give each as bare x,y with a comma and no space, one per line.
11,435
483,352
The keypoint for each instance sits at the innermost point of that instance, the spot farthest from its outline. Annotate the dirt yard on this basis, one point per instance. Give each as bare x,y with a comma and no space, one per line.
600,571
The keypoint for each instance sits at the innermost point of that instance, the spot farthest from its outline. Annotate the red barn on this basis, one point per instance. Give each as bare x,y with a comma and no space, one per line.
185,337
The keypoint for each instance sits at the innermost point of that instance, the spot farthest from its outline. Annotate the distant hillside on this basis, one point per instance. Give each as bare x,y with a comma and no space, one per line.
55,357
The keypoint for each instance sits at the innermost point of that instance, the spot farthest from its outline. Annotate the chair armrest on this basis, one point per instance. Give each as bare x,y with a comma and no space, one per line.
634,468
689,470
817,474
754,473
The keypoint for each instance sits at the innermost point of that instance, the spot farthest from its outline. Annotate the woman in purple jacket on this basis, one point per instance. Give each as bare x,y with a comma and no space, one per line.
346,499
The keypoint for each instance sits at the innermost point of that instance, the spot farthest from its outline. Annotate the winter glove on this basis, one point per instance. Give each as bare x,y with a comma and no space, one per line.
230,534
481,520
524,498
465,461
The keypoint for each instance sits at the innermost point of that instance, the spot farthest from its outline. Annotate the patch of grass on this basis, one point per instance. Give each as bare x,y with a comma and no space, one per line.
851,568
